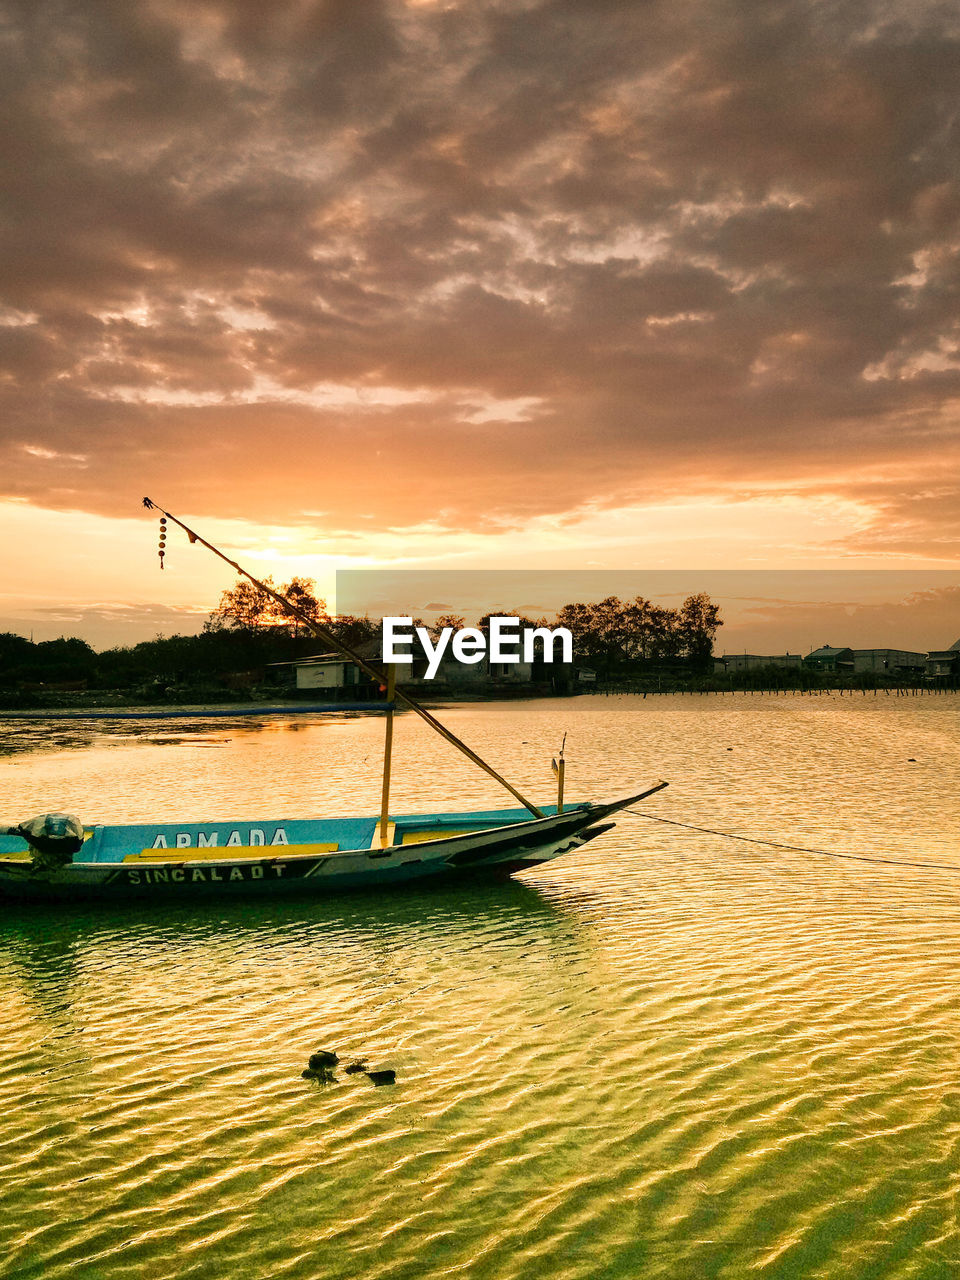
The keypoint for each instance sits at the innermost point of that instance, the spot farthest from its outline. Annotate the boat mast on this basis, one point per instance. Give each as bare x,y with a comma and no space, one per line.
373,672
387,756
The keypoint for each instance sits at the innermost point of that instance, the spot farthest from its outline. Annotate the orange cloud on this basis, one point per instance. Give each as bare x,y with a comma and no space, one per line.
481,263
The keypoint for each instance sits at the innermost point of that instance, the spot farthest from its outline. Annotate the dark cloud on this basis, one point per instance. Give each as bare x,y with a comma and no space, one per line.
313,255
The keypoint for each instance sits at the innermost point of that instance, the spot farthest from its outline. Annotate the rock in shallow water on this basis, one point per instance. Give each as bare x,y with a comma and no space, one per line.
322,1058
381,1077
322,1075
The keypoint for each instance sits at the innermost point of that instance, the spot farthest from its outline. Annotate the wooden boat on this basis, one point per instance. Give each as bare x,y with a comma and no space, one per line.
324,855
56,857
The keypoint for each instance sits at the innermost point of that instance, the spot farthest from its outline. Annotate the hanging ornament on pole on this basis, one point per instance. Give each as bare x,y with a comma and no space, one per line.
163,538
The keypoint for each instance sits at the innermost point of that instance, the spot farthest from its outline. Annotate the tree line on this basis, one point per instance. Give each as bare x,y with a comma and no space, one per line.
619,634
612,633
249,631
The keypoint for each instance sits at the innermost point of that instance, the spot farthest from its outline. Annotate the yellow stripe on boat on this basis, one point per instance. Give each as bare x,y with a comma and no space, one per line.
228,853
432,833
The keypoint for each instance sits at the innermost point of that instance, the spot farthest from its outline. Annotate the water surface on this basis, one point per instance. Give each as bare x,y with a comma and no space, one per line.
668,1055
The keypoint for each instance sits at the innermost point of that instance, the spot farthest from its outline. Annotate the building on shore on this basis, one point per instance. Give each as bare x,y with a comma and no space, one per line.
889,661
331,673
339,677
730,662
944,662
829,658
334,674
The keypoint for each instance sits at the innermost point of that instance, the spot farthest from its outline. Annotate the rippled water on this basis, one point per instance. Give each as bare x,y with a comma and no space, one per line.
668,1055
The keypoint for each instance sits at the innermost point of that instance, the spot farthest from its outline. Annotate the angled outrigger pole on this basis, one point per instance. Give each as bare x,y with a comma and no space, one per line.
382,677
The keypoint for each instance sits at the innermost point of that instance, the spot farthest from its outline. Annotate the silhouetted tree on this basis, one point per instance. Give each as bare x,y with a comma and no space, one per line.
613,633
698,621
247,607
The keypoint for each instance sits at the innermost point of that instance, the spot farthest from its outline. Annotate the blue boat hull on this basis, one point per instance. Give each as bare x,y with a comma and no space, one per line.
322,856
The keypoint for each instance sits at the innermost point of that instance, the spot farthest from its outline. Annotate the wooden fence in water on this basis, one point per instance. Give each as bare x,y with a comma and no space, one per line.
653,689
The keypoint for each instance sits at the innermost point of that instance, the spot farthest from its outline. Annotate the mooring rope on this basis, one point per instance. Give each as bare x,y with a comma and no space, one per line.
795,848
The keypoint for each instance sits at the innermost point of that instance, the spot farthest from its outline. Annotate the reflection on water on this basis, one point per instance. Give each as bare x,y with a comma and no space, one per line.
667,1055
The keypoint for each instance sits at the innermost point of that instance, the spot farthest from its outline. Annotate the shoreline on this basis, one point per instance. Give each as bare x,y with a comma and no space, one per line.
211,709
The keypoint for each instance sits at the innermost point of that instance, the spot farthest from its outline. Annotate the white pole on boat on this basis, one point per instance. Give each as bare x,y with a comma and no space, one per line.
387,753
329,638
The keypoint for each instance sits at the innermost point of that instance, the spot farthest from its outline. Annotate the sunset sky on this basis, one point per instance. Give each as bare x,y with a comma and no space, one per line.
492,284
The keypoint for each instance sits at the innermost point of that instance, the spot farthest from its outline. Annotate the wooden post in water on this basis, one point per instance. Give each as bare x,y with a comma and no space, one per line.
387,753
558,769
